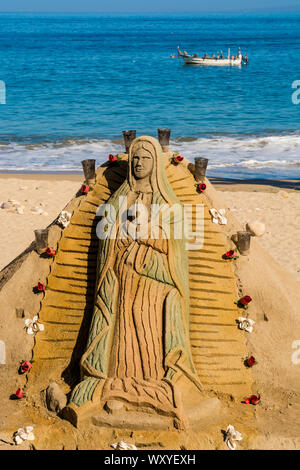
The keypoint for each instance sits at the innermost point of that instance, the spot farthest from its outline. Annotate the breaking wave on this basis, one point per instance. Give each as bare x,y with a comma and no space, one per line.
237,155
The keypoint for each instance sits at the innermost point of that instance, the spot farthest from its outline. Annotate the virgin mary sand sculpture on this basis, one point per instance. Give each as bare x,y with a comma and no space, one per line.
138,356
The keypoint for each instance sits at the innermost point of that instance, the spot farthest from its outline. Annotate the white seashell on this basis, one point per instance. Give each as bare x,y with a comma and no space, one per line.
121,445
256,228
18,440
36,210
246,324
20,210
232,436
23,435
32,326
218,216
64,219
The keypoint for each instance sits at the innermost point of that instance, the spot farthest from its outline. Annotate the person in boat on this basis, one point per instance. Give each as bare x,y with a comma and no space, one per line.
195,55
213,56
245,59
205,56
221,55
185,53
218,55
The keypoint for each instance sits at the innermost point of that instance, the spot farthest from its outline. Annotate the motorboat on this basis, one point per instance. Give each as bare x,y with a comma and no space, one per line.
218,60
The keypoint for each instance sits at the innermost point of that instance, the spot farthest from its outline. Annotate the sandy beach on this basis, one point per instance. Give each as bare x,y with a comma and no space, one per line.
42,197
156,330
270,274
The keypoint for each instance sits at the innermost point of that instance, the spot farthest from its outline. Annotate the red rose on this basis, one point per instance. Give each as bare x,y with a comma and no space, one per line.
41,287
230,254
178,158
50,251
201,187
20,393
253,400
25,367
112,158
245,300
251,361
85,189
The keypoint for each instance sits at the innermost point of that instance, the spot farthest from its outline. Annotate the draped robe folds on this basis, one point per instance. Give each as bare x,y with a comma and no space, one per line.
138,344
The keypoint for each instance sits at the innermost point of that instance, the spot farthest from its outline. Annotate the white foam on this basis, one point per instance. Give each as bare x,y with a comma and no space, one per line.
247,152
227,152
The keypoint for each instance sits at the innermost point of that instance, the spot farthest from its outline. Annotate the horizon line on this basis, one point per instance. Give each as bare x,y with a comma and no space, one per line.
259,10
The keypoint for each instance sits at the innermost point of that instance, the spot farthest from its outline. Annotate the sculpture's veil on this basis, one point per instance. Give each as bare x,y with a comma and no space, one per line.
162,194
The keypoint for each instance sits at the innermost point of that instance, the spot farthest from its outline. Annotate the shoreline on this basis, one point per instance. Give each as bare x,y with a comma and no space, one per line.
221,184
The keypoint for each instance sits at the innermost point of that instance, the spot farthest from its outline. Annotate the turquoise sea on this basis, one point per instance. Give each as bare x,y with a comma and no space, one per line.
73,83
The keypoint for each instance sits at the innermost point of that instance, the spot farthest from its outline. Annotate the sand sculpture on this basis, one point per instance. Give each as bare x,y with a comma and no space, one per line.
152,325
213,353
138,355
141,333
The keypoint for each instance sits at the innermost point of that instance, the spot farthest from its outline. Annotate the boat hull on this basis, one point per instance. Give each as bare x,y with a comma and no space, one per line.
216,62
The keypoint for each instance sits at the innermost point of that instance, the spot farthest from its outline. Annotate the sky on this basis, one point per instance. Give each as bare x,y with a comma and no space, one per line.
157,6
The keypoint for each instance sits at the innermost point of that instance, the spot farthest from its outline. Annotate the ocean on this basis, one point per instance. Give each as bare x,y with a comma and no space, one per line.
74,82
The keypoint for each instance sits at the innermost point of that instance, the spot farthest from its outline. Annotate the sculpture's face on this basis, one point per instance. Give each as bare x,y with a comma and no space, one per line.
142,164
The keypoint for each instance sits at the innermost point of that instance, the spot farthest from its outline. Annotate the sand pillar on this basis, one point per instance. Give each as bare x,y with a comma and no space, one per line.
200,168
89,170
41,240
243,242
164,138
128,137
